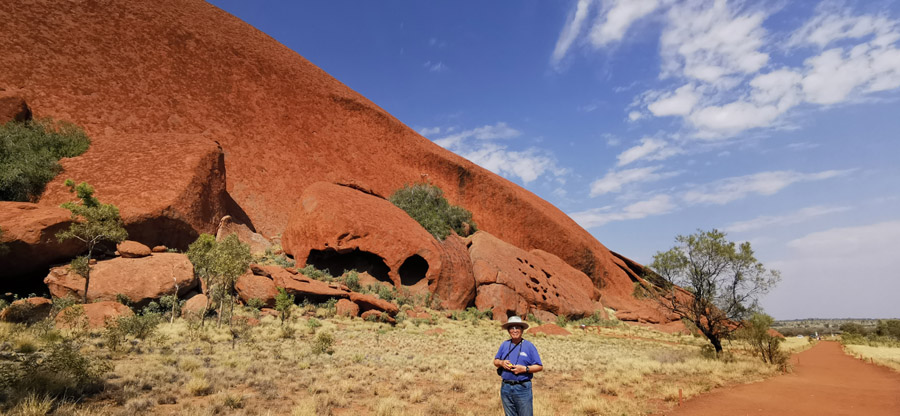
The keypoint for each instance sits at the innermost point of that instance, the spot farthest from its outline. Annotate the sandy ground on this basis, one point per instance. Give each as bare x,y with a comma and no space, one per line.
825,381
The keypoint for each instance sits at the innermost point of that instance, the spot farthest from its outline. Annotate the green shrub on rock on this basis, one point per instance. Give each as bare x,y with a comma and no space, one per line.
426,204
30,153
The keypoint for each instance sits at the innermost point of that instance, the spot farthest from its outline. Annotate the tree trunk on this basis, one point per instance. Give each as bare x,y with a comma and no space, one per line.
87,280
717,343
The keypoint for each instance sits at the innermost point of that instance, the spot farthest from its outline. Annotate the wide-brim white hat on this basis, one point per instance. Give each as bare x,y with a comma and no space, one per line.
515,320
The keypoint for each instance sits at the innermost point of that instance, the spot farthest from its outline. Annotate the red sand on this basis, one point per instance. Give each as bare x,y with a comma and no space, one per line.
825,382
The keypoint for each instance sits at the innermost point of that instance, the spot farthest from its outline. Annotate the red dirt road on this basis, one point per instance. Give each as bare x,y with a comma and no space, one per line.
826,382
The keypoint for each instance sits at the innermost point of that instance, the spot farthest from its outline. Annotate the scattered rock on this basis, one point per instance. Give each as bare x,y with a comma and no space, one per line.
159,249
377,316
195,304
27,311
132,249
369,302
141,280
250,286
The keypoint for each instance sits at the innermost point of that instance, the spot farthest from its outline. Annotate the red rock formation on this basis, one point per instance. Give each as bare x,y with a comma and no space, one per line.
96,314
154,83
250,286
227,226
13,108
338,227
29,232
455,286
369,302
195,304
549,329
141,280
511,281
345,307
28,310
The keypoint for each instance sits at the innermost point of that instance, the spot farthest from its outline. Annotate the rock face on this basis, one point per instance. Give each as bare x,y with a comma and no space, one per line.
340,228
29,232
455,286
283,123
28,310
132,249
141,280
511,281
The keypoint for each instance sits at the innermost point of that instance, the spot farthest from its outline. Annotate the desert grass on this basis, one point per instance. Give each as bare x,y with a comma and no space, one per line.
418,367
885,356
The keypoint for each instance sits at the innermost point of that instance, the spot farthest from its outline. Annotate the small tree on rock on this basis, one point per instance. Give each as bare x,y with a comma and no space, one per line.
724,281
93,223
219,264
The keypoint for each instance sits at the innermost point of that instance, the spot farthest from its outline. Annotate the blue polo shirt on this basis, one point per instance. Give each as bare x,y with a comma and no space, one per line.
523,354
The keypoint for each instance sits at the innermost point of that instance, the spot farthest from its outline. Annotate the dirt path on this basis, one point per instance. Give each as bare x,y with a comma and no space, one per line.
825,382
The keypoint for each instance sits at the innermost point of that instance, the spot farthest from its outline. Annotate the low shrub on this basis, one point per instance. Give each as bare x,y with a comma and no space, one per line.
59,371
323,343
426,204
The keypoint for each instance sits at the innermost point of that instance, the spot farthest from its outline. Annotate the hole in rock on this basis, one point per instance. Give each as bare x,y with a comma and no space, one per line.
413,270
362,261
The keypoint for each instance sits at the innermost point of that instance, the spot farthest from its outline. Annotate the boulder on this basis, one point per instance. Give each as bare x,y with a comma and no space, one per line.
369,302
512,281
13,108
227,226
250,286
29,233
305,287
195,304
378,316
332,228
27,311
159,249
455,286
141,280
345,307
96,314
132,249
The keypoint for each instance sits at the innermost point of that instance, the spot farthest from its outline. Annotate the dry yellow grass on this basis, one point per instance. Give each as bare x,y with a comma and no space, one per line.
886,356
377,369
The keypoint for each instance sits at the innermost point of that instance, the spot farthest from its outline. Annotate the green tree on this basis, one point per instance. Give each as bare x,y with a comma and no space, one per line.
283,303
219,264
888,328
426,204
30,153
767,346
852,328
723,281
92,223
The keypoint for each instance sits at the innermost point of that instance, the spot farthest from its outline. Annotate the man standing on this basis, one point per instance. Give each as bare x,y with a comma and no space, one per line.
517,360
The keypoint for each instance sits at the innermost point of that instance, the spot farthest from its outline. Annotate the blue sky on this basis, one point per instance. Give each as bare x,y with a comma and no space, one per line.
775,121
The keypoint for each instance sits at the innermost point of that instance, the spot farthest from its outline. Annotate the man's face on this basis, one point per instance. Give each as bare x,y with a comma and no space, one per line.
515,331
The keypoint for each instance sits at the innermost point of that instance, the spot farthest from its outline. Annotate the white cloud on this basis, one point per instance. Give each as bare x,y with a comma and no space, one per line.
527,165
614,181
724,120
617,17
649,149
657,205
435,66
635,116
428,131
570,31
679,103
832,25
764,183
709,41
479,145
799,216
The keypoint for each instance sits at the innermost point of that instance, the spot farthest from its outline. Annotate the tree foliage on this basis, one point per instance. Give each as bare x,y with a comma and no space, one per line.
724,281
92,223
767,346
30,153
283,303
426,204
219,264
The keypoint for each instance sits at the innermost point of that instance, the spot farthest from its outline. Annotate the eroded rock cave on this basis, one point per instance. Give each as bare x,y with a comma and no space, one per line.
413,270
336,262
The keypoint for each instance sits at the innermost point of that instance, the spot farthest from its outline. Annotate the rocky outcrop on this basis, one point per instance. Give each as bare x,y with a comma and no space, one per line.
28,311
141,280
345,307
251,286
340,228
195,304
455,286
95,315
227,226
511,281
132,249
29,233
370,302
283,122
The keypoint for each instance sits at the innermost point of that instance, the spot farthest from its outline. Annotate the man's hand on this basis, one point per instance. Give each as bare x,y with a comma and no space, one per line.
519,369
